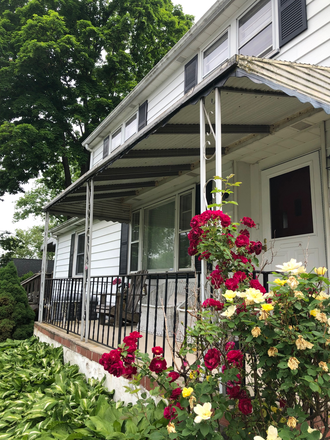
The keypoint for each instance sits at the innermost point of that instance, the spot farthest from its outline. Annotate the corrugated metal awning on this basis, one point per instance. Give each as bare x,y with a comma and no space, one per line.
168,148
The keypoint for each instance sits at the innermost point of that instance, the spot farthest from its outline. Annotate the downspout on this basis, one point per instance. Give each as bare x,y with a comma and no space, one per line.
43,269
325,190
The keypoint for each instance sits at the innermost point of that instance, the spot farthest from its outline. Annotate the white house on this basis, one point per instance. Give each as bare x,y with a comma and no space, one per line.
248,87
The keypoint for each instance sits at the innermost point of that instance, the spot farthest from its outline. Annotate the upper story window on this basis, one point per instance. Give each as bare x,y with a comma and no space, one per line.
116,139
131,127
255,30
216,54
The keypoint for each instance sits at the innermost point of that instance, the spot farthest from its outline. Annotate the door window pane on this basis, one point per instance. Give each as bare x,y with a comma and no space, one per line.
184,258
159,233
80,254
135,241
291,204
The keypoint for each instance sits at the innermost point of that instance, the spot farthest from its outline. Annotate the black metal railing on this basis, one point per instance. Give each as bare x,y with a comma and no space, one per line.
156,304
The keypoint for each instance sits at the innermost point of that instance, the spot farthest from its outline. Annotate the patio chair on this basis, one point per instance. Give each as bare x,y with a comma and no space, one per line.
137,289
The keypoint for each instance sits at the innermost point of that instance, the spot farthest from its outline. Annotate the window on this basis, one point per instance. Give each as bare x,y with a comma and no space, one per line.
135,241
291,204
255,30
116,139
105,147
80,254
160,234
131,127
190,74
143,115
184,228
216,54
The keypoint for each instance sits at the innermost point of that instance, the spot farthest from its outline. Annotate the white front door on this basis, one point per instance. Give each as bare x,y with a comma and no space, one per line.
292,213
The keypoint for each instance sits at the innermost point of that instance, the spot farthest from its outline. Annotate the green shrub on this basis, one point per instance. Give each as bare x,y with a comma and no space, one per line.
16,316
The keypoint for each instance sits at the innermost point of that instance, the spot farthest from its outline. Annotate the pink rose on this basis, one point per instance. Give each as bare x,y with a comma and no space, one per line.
157,365
116,281
212,358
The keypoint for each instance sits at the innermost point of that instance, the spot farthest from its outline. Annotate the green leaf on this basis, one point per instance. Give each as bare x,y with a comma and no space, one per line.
314,387
205,429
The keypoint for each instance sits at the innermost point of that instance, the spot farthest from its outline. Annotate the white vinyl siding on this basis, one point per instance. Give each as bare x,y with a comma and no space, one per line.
105,250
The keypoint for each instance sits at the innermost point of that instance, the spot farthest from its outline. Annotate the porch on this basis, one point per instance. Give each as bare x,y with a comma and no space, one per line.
158,305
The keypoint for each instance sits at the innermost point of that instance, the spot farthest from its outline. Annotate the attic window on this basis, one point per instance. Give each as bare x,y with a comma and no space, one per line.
116,139
255,30
216,54
131,127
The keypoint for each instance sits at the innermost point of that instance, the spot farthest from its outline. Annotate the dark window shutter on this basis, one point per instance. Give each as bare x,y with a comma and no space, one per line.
292,19
73,237
190,74
143,115
105,147
123,249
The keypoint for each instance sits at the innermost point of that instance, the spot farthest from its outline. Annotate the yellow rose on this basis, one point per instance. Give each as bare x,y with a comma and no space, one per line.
279,282
291,266
187,391
292,282
256,331
298,294
272,352
274,409
204,412
314,312
263,315
171,428
229,295
267,307
324,366
322,296
254,295
293,363
292,422
322,317
320,270
302,344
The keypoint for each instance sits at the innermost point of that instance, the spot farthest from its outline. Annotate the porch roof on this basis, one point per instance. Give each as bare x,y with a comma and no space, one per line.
258,98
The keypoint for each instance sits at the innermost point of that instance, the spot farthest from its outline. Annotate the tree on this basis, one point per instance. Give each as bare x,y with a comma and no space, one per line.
64,65
24,244
16,316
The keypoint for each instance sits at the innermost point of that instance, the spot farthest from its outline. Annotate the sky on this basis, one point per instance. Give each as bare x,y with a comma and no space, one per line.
192,7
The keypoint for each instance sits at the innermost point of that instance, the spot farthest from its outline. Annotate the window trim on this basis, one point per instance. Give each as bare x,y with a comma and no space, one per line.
176,197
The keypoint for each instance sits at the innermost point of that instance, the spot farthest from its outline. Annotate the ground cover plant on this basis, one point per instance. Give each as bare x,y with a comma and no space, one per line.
42,398
262,357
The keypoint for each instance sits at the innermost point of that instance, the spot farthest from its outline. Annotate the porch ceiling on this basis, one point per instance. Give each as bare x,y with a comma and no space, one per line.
259,98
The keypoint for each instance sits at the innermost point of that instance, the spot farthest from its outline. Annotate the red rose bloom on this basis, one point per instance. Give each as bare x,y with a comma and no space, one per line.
239,276
192,250
130,341
235,357
241,308
157,350
256,247
231,284
234,391
210,302
245,406
225,220
175,393
245,232
216,278
230,345
169,412
195,222
173,375
212,358
242,241
130,372
157,365
256,285
117,369
247,221
204,256
106,360
136,335
129,359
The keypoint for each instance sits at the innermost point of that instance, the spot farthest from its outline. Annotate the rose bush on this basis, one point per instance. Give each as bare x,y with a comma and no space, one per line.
261,359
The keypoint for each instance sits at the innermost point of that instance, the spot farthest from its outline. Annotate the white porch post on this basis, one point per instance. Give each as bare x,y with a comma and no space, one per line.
218,145
202,186
325,190
87,259
43,269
